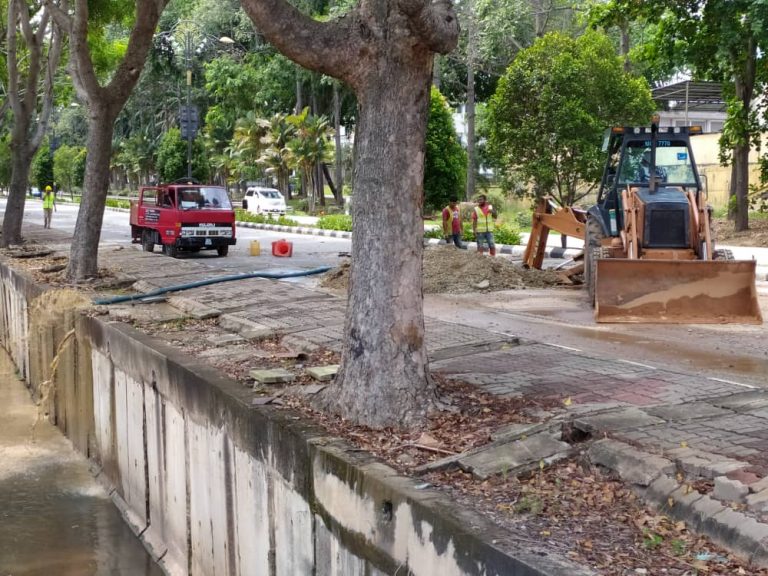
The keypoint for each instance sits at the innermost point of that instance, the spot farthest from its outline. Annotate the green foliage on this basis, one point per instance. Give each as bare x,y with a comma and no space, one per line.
65,166
244,216
651,540
342,222
552,106
171,160
42,168
5,162
79,167
445,161
502,234
117,203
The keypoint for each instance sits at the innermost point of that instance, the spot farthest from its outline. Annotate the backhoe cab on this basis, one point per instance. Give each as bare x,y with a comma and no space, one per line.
649,252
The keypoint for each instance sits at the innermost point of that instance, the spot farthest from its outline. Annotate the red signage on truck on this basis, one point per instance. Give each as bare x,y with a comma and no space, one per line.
183,217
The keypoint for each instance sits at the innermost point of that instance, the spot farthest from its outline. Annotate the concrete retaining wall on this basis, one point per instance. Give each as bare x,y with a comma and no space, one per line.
216,486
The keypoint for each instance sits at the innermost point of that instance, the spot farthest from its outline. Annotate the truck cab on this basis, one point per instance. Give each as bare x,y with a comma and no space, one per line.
183,217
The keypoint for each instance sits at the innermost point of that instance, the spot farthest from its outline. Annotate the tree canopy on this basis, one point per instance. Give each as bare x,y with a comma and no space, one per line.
547,118
720,40
445,159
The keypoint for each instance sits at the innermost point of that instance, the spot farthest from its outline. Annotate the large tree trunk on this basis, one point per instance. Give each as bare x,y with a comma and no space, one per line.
470,109
17,195
386,57
31,111
384,377
744,88
740,186
83,258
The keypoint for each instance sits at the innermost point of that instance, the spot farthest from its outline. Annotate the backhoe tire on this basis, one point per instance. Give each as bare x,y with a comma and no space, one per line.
592,251
722,254
148,241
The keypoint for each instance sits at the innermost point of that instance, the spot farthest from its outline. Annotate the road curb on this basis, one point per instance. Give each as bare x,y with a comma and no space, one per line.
732,529
514,250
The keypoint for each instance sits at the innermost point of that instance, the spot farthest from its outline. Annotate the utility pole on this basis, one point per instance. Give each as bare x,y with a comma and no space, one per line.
190,128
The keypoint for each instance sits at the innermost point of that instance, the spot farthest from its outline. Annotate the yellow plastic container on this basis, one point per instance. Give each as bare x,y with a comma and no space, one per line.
255,248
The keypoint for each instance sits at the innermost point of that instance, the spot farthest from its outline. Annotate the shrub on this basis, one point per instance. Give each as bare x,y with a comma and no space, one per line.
341,222
502,234
243,216
116,203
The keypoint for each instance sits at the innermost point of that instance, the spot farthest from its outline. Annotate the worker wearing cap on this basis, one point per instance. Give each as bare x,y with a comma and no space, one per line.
49,205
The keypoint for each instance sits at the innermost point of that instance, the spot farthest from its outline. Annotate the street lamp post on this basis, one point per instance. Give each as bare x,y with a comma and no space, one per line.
191,126
188,32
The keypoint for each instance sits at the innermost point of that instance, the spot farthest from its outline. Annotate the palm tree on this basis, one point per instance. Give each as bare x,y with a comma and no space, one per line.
247,143
309,148
276,158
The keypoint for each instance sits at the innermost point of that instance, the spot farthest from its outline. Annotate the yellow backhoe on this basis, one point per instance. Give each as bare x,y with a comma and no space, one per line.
649,254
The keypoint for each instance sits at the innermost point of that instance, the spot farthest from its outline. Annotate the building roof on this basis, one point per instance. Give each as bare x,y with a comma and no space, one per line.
690,95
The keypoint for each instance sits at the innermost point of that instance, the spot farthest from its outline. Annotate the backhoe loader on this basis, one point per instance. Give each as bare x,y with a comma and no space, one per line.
649,254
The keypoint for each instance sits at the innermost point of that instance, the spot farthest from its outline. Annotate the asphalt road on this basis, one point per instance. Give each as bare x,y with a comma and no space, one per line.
561,317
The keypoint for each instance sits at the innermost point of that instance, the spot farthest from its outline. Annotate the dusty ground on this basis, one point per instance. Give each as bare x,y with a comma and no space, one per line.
450,270
757,235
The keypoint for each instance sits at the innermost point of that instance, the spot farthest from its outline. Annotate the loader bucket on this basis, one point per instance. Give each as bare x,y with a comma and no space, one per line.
676,291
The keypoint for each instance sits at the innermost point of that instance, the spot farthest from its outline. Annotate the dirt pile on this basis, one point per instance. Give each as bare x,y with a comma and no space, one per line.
449,270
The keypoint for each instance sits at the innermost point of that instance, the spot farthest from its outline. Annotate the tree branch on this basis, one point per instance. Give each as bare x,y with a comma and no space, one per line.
54,56
147,15
436,23
321,46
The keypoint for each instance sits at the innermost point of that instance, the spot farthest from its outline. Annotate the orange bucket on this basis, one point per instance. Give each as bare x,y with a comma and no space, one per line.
282,249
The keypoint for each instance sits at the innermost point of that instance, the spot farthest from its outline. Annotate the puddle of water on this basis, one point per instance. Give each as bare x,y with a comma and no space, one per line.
55,519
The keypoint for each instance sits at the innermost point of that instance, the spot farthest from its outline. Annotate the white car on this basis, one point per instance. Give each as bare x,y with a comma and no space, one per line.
259,200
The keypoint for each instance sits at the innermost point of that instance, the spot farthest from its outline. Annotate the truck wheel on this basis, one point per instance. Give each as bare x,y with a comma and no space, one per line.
245,204
592,251
147,241
223,250
170,250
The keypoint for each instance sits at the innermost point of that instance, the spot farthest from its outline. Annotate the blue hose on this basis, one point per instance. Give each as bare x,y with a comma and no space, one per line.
199,283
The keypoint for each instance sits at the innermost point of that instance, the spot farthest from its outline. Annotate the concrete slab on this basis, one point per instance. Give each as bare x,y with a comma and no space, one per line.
323,373
689,411
729,490
158,312
743,401
224,339
513,457
276,376
632,465
616,420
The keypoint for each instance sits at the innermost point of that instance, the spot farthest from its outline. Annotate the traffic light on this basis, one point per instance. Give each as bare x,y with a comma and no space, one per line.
188,122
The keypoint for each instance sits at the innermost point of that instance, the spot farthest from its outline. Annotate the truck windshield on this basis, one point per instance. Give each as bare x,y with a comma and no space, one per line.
673,163
205,198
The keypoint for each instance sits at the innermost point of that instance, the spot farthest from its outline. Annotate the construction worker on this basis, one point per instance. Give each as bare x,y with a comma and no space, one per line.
483,220
49,205
452,223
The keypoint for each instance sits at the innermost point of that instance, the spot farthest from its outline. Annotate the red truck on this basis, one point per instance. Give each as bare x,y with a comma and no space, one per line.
183,217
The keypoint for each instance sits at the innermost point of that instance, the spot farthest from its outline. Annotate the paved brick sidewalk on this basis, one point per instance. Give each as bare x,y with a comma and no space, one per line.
656,411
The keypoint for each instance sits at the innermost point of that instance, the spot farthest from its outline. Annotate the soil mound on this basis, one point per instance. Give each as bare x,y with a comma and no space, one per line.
450,270
757,235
